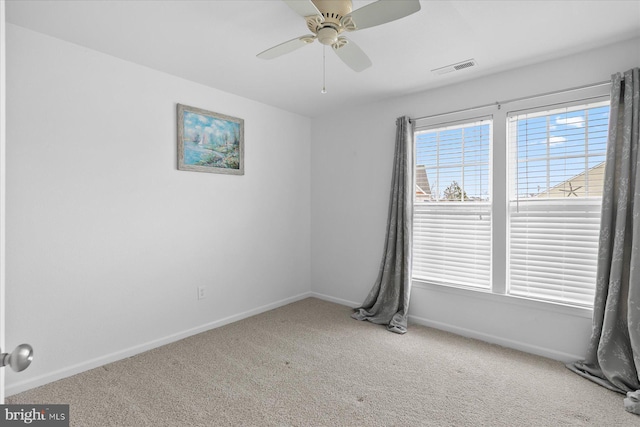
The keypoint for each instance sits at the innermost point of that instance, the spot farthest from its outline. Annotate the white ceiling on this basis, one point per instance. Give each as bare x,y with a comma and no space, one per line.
215,42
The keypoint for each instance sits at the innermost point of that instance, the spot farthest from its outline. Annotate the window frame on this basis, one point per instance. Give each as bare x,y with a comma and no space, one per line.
499,193
591,204
473,119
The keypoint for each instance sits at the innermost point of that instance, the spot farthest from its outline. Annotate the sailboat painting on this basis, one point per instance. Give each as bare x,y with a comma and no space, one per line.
210,142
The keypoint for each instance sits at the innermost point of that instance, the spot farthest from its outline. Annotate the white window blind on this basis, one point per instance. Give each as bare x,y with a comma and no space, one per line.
452,244
452,206
556,168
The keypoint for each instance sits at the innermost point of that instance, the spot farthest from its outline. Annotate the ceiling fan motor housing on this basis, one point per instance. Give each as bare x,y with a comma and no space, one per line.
333,12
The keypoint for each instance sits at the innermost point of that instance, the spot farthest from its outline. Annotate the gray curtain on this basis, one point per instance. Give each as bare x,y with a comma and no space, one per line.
613,355
388,300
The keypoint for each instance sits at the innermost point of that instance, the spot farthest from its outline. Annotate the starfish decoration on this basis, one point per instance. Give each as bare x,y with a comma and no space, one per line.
572,190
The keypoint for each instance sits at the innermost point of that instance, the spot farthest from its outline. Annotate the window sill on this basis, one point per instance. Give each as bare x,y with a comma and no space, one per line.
569,310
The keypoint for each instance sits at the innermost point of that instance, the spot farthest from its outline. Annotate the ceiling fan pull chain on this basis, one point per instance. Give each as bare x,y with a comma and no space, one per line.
324,70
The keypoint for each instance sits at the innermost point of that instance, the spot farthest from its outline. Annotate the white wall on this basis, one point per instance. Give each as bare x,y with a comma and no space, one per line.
107,240
351,161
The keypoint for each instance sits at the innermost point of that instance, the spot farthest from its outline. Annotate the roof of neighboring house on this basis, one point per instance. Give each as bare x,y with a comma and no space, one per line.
578,186
422,182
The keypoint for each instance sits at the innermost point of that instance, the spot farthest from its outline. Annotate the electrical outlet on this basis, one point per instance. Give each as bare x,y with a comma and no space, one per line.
201,292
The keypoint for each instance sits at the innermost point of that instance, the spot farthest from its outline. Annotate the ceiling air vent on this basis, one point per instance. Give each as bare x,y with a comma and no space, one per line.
456,67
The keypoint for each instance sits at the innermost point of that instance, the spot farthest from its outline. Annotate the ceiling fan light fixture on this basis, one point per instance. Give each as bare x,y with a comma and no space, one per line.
327,35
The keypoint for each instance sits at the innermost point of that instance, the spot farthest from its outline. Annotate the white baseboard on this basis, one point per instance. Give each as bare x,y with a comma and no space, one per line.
19,387
470,333
494,339
336,300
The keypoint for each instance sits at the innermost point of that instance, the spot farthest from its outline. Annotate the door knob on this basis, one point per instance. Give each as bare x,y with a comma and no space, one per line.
19,359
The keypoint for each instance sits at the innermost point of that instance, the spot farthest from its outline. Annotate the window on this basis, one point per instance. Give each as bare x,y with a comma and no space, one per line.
452,209
507,197
557,171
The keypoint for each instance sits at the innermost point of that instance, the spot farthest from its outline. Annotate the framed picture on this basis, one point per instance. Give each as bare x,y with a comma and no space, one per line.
209,142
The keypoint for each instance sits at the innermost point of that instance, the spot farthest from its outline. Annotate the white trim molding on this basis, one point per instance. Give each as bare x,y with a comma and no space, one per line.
68,371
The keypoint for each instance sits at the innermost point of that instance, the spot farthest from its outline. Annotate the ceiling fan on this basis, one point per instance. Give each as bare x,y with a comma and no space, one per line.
327,19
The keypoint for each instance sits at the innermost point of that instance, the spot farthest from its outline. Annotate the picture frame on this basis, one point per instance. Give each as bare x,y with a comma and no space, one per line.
209,142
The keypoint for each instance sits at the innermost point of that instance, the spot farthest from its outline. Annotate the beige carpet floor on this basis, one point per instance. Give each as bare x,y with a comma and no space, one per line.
310,364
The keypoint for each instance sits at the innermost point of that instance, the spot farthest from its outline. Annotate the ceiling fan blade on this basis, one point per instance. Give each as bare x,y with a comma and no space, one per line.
303,8
286,47
351,54
380,12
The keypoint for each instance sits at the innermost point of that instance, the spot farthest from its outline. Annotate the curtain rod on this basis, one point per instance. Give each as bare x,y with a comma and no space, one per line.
499,103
